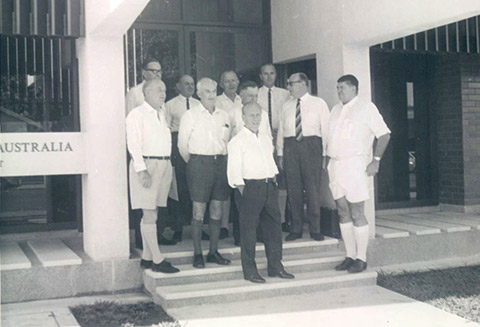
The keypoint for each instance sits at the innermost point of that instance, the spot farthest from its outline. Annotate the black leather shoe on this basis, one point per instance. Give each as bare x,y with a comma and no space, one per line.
293,237
357,266
177,237
165,241
146,264
317,236
218,259
282,274
223,233
345,264
198,261
285,227
205,236
256,278
164,267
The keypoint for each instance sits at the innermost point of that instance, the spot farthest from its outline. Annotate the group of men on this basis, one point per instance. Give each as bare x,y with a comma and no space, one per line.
228,150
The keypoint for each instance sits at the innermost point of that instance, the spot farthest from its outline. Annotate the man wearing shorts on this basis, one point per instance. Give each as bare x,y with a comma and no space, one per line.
353,125
149,144
202,142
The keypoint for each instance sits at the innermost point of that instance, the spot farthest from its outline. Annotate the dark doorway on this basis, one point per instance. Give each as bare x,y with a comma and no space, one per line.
400,91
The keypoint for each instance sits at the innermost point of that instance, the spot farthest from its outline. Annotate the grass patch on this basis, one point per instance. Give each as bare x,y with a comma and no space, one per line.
112,314
456,290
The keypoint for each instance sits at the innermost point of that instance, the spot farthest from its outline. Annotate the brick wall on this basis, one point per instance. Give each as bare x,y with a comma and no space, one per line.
470,84
446,108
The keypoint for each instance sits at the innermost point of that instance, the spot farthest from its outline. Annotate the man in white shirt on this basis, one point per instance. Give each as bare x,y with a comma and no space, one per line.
272,99
202,142
149,144
252,169
228,101
175,108
151,70
353,126
303,127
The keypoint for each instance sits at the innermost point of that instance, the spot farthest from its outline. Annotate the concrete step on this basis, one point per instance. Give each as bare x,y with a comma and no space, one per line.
240,290
395,222
53,252
13,257
184,255
385,232
425,220
297,263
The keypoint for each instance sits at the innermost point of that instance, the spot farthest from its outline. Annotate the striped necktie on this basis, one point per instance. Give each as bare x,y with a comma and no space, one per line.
298,123
188,104
270,107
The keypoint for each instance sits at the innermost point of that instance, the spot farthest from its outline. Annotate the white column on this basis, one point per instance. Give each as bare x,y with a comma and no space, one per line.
337,61
104,187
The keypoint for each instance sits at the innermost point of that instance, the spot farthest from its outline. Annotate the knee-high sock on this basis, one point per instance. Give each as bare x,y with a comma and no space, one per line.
197,235
214,227
146,254
149,231
225,213
349,239
361,238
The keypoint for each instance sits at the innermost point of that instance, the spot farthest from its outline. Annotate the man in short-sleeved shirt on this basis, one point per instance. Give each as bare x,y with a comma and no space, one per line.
202,141
354,124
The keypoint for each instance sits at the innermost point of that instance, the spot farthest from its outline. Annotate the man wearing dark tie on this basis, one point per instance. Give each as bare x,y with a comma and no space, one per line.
303,125
175,108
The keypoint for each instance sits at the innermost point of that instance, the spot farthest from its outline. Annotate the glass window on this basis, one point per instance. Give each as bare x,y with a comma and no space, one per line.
38,85
35,203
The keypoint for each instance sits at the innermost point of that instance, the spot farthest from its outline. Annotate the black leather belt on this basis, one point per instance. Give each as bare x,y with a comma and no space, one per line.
155,157
214,157
266,180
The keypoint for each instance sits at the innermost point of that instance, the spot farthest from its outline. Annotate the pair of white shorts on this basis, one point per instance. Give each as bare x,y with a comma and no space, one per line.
156,195
349,179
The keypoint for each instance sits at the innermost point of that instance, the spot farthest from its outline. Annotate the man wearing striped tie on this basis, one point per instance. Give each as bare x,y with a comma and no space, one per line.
301,143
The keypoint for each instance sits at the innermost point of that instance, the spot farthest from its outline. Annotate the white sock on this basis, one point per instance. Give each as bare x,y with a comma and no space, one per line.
349,239
361,238
150,233
146,254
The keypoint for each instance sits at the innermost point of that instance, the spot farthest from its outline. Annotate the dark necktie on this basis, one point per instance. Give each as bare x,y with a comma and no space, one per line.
270,107
188,104
298,123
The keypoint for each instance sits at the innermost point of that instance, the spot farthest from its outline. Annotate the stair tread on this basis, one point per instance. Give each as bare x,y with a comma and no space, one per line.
424,220
13,257
386,232
395,223
241,285
288,261
467,220
53,252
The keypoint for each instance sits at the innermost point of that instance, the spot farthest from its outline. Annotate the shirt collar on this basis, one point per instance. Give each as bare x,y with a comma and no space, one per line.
351,102
237,97
149,107
250,133
304,97
204,110
266,88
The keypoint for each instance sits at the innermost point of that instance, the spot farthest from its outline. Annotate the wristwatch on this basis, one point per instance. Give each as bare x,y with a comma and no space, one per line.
376,158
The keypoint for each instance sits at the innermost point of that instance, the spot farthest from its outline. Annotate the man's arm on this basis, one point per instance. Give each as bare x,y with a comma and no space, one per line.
374,165
134,145
234,166
184,132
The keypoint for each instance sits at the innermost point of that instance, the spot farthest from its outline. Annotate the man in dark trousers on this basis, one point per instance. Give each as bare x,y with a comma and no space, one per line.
303,126
252,170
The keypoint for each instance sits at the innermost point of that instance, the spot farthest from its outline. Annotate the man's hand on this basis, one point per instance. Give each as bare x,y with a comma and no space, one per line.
280,162
325,162
240,188
145,178
372,167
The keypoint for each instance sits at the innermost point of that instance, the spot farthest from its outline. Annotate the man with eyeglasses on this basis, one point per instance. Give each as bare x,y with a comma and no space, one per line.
301,143
151,70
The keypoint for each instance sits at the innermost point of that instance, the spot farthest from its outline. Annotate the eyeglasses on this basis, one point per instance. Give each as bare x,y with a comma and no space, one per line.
290,83
155,71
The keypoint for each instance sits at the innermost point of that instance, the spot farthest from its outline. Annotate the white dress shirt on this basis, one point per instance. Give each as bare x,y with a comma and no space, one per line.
315,115
223,102
279,97
134,98
176,107
264,127
250,156
352,129
204,133
147,134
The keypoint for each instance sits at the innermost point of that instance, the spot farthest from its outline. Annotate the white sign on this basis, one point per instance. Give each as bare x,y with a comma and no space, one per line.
31,154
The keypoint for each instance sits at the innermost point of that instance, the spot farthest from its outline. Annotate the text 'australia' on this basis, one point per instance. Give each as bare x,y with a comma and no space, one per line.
27,147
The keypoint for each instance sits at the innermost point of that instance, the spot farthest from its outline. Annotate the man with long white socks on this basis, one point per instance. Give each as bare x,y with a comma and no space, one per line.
353,125
149,143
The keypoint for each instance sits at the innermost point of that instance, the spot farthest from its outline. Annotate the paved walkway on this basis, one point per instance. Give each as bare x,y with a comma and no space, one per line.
362,306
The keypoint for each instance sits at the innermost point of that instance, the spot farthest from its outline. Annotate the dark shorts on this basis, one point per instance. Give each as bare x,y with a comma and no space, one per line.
207,178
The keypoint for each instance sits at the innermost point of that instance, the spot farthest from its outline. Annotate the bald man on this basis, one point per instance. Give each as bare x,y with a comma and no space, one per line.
149,144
